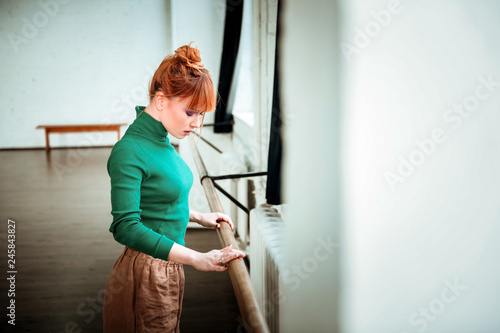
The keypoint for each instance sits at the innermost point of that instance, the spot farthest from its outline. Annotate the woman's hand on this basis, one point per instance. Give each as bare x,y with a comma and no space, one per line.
210,220
216,260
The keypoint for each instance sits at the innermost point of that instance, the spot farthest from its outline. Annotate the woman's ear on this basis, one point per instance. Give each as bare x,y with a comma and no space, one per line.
160,101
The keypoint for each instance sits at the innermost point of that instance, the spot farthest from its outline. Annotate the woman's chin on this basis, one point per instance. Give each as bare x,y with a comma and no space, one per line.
177,136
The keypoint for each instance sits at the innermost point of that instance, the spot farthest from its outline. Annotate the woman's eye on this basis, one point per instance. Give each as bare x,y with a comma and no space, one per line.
192,113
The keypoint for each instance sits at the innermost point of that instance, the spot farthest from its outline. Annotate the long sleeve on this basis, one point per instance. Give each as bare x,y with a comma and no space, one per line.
128,168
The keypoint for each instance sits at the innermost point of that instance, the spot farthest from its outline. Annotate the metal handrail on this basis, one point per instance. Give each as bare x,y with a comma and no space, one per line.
253,319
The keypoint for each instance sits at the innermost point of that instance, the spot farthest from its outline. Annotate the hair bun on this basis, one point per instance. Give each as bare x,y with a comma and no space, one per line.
190,56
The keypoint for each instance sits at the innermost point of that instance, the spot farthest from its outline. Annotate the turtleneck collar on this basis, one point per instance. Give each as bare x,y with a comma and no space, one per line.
148,126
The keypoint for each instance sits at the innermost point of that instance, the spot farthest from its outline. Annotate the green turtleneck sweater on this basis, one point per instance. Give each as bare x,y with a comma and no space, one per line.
150,186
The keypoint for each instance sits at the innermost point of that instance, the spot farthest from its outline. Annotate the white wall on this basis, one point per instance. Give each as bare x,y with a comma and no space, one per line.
76,62
201,22
420,255
310,106
405,242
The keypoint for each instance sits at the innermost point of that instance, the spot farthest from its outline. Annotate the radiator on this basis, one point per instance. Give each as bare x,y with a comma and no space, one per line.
267,261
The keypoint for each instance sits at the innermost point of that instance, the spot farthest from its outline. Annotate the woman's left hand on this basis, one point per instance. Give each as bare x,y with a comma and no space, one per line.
210,220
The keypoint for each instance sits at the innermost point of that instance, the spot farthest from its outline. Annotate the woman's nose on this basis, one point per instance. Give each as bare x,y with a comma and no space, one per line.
195,122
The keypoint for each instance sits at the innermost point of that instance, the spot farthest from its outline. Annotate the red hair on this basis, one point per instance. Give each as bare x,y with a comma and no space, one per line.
183,75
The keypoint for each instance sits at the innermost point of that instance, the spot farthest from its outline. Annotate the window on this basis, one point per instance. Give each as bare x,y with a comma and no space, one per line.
243,83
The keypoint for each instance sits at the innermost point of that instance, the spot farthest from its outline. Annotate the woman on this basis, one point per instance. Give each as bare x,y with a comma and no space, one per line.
150,186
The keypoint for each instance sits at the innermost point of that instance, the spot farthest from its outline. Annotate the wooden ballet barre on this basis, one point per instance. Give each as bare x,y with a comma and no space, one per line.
253,318
78,128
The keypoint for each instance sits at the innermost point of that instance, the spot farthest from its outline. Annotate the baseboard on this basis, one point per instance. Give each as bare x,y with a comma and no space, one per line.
64,147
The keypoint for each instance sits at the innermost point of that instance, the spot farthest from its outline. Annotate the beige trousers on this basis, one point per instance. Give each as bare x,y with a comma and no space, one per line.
143,294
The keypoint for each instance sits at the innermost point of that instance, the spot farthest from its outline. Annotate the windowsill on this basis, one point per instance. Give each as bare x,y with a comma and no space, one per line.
243,125
245,117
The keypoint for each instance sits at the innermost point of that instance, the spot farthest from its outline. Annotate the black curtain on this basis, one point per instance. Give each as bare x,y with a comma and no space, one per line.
231,42
273,187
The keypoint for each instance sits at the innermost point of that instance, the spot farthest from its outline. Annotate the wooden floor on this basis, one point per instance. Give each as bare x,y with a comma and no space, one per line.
64,252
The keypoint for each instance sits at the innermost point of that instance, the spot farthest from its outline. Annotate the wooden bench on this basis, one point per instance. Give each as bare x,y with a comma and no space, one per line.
78,128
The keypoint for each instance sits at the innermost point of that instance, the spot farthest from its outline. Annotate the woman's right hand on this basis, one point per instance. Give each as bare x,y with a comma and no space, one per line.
216,260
